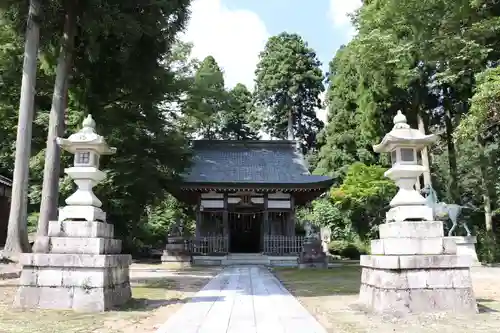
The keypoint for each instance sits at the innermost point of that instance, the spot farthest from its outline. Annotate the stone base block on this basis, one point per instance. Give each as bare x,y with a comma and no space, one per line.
409,229
415,261
70,281
413,246
85,245
85,299
417,290
74,260
406,301
84,229
417,278
87,213
409,213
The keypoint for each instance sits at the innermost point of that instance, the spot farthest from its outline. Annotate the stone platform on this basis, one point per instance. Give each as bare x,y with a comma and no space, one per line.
414,268
82,271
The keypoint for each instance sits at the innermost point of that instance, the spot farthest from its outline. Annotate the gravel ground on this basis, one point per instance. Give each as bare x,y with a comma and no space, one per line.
157,293
328,295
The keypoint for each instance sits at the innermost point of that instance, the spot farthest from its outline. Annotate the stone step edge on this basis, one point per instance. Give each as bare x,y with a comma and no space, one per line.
398,262
74,260
14,274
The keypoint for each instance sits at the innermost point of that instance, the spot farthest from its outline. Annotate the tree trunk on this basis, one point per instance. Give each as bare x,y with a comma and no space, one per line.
424,153
486,183
452,157
50,189
17,234
290,126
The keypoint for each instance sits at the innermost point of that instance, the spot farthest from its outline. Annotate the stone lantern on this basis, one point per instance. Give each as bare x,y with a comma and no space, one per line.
87,147
413,267
83,269
403,143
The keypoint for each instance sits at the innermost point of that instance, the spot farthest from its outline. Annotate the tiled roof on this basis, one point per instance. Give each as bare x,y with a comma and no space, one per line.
5,181
258,162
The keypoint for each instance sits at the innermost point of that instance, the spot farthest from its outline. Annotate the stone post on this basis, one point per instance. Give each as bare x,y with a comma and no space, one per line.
326,238
413,267
466,246
83,269
313,254
175,249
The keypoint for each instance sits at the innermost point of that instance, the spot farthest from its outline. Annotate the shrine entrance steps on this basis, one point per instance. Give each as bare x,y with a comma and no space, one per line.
243,299
246,259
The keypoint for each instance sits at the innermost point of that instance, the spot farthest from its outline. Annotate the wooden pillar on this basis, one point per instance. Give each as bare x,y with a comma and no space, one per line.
291,217
225,221
264,228
197,231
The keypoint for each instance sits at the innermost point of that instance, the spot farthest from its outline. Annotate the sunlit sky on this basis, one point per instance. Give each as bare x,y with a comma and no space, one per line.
235,31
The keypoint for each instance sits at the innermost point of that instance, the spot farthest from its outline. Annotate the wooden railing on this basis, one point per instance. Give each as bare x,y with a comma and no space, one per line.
213,245
283,245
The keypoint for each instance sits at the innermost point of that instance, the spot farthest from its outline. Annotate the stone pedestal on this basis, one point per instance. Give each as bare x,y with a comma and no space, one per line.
312,255
414,268
466,246
82,271
175,252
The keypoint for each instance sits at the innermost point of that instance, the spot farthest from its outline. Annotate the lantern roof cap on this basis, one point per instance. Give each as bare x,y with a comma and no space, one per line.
403,135
86,138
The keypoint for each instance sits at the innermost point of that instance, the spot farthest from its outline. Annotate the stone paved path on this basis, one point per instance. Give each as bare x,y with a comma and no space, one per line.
243,299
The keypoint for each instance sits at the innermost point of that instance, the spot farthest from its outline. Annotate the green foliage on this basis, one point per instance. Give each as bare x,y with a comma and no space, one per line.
158,220
364,196
120,75
289,79
353,210
336,247
484,116
345,249
239,119
212,112
207,98
434,60
487,249
323,212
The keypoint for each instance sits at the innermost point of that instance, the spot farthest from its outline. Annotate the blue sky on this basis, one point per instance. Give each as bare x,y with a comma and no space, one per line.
312,22
235,31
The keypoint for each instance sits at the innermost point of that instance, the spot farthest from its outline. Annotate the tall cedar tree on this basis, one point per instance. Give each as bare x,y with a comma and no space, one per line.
289,80
207,99
237,118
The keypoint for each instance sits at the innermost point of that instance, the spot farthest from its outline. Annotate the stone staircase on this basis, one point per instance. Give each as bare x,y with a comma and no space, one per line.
246,259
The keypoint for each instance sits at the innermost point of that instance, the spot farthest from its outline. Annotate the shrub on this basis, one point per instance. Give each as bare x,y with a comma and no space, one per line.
337,247
487,249
350,250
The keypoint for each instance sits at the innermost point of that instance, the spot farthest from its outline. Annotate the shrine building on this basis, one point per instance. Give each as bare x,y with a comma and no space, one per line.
245,194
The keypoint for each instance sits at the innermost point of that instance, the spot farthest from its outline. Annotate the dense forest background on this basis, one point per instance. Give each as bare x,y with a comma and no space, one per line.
434,60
